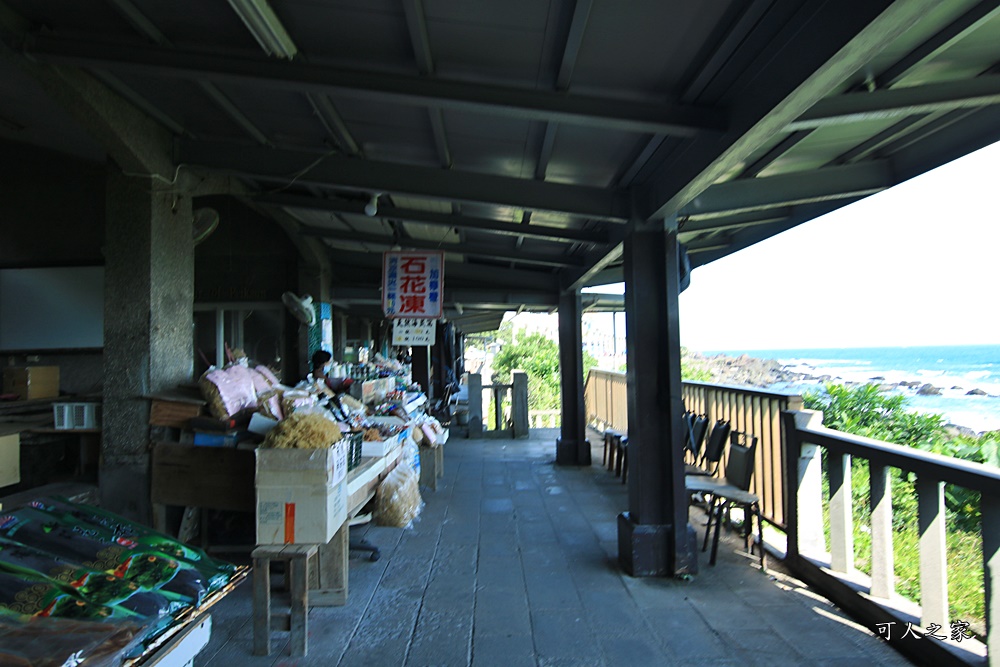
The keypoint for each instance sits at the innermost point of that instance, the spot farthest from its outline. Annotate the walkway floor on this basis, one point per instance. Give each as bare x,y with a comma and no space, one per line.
513,562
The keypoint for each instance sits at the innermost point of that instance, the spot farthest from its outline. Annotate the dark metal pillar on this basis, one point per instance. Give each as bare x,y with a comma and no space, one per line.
420,359
654,538
572,447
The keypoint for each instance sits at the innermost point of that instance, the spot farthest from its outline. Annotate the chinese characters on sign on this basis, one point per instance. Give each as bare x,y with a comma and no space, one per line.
413,284
959,630
407,331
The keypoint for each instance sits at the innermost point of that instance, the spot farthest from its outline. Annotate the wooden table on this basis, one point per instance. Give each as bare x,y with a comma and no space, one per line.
329,588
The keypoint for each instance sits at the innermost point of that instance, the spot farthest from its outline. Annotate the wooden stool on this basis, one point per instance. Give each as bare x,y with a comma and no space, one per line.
296,621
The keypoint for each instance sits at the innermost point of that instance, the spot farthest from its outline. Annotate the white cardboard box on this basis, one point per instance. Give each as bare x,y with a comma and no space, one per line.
300,514
10,459
382,447
301,467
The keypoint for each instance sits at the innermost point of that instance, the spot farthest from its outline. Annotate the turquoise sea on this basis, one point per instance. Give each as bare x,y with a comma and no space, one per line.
956,370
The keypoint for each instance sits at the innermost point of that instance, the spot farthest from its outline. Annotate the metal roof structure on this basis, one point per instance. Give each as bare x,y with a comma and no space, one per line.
521,137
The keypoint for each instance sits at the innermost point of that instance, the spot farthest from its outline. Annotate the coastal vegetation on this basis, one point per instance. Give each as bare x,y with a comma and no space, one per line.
864,410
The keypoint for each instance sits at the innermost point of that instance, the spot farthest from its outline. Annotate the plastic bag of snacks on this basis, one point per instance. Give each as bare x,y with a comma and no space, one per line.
216,573
46,641
397,500
96,548
228,390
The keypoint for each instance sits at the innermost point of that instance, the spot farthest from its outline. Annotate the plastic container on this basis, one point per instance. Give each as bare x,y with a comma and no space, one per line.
73,416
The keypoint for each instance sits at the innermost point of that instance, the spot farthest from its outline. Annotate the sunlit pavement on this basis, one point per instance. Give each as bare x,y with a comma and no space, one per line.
514,562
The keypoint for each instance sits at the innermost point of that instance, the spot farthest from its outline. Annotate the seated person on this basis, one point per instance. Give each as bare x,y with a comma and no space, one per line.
320,364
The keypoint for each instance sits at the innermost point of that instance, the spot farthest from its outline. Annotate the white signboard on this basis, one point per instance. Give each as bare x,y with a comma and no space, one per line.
409,331
413,284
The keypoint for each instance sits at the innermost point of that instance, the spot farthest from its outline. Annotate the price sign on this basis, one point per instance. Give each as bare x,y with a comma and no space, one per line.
411,331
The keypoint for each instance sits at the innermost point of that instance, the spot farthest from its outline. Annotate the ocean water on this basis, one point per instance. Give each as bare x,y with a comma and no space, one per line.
954,369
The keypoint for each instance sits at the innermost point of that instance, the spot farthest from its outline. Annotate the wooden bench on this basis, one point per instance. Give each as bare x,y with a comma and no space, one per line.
296,620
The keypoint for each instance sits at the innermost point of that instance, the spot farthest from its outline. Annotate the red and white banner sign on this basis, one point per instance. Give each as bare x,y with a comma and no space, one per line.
413,284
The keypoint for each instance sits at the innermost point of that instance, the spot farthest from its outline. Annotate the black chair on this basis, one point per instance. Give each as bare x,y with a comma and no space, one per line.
610,446
709,464
733,491
696,426
621,464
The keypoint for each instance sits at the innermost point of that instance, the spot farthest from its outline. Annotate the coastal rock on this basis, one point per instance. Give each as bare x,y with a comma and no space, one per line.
957,388
743,370
877,378
887,386
928,390
976,392
911,384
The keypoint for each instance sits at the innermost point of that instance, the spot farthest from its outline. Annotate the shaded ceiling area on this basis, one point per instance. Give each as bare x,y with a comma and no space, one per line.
523,137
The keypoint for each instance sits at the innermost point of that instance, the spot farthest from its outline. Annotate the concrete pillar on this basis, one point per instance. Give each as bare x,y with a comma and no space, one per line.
475,405
148,325
572,447
654,537
519,404
339,336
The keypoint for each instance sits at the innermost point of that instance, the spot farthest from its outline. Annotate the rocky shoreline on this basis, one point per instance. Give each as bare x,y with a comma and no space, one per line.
747,371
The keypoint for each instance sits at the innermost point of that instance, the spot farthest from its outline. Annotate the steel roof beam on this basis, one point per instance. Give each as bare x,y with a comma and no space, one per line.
588,111
940,41
471,298
882,104
287,166
822,45
751,194
434,218
462,249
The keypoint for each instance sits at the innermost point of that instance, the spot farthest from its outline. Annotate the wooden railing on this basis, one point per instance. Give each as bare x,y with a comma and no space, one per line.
606,400
753,411
789,481
806,545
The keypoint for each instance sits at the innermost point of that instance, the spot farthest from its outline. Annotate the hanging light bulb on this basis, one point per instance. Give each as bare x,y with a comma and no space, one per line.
371,208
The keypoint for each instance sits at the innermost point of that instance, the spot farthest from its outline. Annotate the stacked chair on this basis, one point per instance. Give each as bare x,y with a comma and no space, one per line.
733,490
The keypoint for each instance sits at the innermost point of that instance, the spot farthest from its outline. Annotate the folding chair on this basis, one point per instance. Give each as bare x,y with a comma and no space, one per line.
733,491
713,451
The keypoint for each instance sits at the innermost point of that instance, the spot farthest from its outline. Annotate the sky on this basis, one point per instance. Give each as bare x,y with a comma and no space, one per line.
914,265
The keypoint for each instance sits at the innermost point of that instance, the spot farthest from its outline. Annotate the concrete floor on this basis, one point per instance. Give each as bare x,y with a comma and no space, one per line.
513,562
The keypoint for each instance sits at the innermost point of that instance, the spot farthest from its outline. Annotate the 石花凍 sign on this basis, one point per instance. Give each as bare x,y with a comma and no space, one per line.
413,284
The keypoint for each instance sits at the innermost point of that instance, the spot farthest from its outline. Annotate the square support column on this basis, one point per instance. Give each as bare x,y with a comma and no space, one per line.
148,327
572,447
654,538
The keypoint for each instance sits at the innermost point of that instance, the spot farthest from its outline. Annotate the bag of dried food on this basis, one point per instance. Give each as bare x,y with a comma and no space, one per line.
397,500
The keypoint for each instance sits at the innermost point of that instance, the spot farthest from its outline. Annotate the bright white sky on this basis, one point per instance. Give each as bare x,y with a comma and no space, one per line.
914,265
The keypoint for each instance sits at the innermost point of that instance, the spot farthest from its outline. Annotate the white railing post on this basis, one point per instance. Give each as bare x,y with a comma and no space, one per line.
933,554
809,492
841,515
990,506
881,505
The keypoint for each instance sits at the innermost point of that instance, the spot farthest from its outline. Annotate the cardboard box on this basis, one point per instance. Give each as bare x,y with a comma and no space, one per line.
174,414
302,467
31,382
382,447
10,459
300,514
